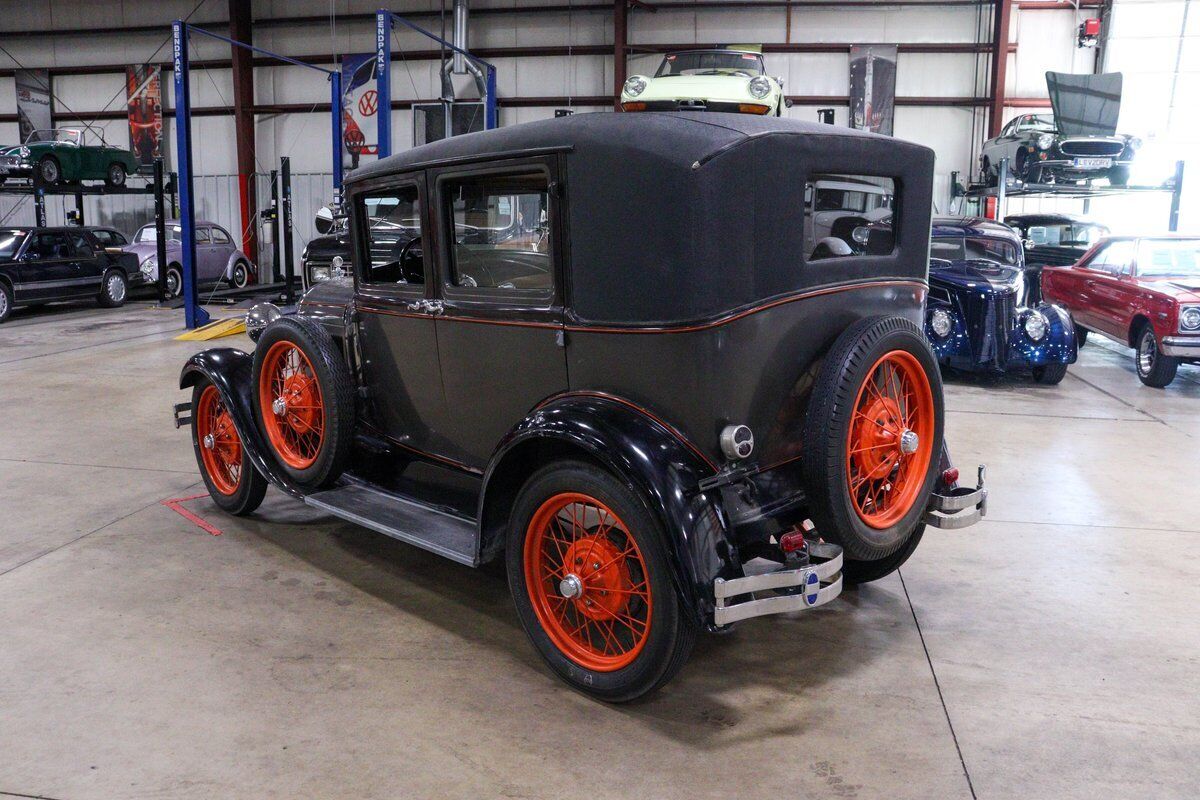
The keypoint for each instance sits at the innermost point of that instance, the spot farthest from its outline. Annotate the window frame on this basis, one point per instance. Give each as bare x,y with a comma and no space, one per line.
443,221
360,235
212,235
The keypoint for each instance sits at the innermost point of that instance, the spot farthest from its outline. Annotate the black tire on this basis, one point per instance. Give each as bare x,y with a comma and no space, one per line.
672,630
115,176
6,302
114,288
1050,374
986,169
855,573
49,171
174,281
337,397
1081,335
1119,176
251,488
1153,368
831,409
239,277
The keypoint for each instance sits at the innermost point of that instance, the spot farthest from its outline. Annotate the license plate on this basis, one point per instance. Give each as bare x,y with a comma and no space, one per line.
1093,163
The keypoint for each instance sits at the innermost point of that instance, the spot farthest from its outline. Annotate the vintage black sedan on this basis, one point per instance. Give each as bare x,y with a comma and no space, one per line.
44,265
981,317
605,359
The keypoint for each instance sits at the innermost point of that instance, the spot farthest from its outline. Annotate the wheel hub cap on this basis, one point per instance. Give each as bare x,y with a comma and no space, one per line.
571,586
209,442
279,406
909,442
599,574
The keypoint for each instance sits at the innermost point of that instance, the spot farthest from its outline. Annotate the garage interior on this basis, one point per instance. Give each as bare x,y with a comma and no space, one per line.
152,646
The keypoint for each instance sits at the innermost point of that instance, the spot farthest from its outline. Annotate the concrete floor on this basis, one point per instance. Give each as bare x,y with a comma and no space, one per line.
1050,652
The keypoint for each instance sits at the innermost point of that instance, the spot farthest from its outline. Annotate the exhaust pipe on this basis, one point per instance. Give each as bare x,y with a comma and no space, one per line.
460,36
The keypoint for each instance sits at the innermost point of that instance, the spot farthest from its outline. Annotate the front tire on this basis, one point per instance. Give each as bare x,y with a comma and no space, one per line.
49,171
871,430
1081,335
304,400
115,175
114,288
174,282
591,582
6,302
232,481
1153,368
1050,374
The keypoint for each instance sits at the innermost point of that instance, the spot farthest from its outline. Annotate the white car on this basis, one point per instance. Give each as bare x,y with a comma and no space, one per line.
707,80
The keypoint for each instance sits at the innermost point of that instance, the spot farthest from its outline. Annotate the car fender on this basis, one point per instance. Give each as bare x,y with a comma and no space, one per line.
663,468
233,259
1058,346
231,371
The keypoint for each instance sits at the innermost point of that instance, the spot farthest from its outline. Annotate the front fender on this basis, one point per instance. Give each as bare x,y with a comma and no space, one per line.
1057,347
231,371
661,466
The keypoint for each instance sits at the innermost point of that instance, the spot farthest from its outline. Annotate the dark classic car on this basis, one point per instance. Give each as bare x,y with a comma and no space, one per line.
1141,291
44,265
218,258
661,418
1078,142
62,155
1053,239
980,316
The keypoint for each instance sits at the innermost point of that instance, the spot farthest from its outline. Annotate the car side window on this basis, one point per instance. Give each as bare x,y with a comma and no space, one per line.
203,236
83,248
219,236
50,245
115,239
501,239
1114,259
392,221
849,215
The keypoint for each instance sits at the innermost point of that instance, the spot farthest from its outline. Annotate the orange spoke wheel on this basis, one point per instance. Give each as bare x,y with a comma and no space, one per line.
588,583
220,447
890,442
293,413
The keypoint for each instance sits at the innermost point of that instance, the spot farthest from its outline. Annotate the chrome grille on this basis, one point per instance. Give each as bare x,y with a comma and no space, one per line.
1110,148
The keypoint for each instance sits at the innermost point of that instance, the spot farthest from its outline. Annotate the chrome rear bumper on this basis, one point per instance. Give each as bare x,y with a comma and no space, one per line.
959,508
815,583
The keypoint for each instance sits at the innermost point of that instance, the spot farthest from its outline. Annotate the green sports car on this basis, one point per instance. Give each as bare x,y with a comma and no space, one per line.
60,156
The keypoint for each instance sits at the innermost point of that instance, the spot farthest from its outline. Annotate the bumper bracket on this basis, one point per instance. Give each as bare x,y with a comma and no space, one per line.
815,584
958,508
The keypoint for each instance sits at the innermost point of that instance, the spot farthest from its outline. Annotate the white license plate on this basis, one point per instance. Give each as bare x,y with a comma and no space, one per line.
1093,163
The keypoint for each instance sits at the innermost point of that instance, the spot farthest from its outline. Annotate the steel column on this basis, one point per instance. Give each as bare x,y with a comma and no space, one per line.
383,77
1176,195
335,95
160,230
1002,18
289,271
241,30
194,315
620,49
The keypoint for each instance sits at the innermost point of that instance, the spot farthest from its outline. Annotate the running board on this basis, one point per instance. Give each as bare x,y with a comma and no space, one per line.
448,535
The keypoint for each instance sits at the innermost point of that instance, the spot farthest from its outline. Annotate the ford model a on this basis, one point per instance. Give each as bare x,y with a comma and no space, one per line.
594,347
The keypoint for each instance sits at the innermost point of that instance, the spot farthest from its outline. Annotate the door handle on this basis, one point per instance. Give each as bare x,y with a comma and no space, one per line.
433,307
416,305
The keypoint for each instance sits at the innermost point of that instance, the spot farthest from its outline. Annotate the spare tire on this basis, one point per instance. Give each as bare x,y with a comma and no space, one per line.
304,401
872,433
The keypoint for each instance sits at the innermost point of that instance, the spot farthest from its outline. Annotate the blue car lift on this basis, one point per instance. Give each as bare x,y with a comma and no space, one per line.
194,314
384,22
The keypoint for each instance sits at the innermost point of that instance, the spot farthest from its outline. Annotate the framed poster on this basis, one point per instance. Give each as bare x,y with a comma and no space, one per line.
143,92
873,87
33,101
360,105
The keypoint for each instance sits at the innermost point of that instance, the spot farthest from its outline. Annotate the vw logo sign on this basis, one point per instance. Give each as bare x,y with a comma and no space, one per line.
812,585
368,104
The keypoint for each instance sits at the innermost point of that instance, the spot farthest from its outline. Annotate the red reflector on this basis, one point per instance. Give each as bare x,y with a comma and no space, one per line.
753,108
791,542
950,475
1091,27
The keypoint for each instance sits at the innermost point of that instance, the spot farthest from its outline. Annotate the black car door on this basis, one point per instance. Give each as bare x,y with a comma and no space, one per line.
500,320
89,264
48,269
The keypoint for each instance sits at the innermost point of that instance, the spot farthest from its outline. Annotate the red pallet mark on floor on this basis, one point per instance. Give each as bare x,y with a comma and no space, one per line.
176,505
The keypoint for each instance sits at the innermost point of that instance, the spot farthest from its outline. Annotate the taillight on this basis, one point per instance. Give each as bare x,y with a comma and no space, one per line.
950,476
633,106
791,542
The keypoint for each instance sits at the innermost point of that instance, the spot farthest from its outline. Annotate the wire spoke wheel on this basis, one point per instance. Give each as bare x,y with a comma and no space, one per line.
890,441
293,411
220,446
588,582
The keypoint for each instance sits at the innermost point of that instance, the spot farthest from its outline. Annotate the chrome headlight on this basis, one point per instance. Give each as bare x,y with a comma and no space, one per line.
1035,326
941,322
318,274
760,87
259,317
1045,141
24,152
1189,318
634,86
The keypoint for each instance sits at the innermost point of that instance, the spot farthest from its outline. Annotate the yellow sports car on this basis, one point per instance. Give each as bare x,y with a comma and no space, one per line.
707,80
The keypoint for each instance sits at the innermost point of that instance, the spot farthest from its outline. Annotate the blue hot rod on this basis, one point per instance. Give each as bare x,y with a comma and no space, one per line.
980,317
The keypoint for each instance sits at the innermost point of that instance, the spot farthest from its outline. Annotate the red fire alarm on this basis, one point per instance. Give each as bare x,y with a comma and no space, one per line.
1089,33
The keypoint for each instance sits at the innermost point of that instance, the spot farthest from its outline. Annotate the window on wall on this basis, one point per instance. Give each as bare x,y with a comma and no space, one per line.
392,220
848,215
501,239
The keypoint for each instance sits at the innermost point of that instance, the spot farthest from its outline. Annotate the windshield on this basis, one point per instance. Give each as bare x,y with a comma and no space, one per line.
10,242
711,62
1168,258
56,135
1066,235
960,248
148,233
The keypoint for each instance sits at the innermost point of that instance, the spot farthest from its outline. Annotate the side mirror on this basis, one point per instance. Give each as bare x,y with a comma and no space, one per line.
327,218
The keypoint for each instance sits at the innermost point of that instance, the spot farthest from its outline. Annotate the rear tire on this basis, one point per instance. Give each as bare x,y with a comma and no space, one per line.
49,172
240,276
1153,368
232,481
869,450
174,282
1050,374
1081,335
304,401
114,288
859,572
115,175
624,632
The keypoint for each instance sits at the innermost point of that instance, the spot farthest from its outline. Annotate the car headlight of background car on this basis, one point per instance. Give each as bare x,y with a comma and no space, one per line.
634,86
318,274
941,322
759,87
149,265
1189,319
1045,141
1035,326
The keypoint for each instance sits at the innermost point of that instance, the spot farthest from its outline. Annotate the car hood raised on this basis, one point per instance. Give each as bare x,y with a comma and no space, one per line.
975,274
1085,105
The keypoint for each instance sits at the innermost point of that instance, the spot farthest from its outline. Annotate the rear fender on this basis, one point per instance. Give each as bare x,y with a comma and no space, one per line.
231,371
662,467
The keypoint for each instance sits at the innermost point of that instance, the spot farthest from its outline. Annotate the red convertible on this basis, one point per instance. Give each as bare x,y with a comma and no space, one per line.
1142,291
